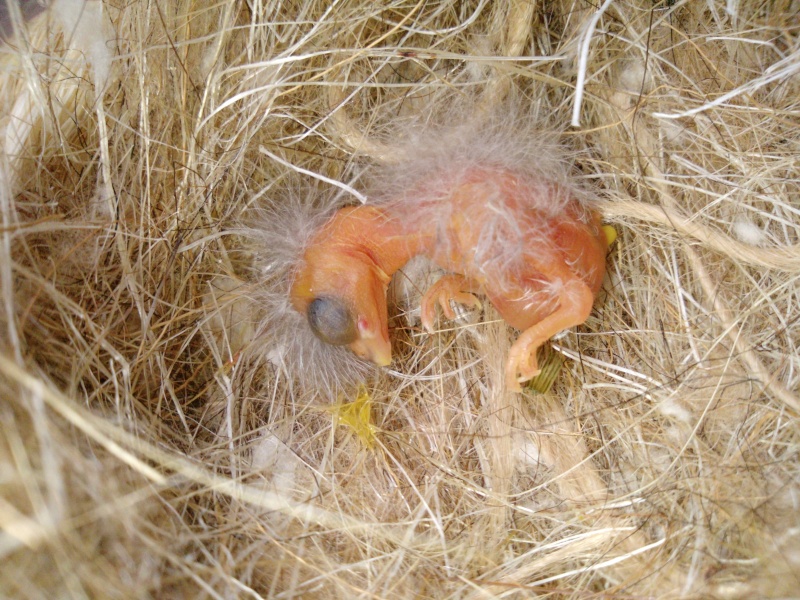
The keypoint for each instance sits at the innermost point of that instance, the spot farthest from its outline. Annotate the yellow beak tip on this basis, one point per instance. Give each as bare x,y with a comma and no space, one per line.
384,360
611,234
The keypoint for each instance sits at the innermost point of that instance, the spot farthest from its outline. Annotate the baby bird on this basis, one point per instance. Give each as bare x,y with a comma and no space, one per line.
527,243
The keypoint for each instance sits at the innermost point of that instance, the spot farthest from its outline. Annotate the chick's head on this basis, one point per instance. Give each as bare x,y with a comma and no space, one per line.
342,293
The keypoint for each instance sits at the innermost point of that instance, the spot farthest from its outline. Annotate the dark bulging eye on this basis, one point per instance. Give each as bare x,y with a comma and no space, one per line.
331,321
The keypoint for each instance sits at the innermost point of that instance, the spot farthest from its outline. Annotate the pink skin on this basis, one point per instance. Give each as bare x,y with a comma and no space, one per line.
355,254
353,258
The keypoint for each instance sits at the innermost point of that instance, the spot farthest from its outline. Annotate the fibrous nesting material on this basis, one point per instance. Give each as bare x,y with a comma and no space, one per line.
153,444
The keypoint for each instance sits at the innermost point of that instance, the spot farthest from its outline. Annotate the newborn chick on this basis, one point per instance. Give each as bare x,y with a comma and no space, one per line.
526,243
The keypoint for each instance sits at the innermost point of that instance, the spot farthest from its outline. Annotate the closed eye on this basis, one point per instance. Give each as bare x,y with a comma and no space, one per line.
331,321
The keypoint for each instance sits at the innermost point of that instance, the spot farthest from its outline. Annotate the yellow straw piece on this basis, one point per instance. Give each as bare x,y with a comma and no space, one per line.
357,415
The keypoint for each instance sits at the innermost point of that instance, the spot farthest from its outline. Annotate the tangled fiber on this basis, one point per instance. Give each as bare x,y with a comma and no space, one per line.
156,441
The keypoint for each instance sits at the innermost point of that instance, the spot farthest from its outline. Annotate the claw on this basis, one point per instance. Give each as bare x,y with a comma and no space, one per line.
522,366
449,287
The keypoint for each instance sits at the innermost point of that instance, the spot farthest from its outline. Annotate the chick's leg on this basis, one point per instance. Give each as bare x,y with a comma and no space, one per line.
575,304
449,287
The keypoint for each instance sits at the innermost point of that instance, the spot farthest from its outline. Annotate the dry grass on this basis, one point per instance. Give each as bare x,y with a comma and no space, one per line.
151,445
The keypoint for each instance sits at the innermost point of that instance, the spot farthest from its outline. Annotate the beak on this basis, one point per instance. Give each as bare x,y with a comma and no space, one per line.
376,349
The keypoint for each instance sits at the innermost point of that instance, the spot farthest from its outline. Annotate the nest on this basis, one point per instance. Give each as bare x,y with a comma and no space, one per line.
155,444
